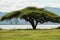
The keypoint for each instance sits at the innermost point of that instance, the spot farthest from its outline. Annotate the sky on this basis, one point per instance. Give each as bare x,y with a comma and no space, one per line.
12,5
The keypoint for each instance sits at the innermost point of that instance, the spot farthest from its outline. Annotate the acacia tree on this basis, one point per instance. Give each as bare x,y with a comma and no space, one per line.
9,16
33,15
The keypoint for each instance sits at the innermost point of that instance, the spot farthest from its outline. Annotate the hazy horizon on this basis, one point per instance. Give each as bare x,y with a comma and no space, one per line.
8,27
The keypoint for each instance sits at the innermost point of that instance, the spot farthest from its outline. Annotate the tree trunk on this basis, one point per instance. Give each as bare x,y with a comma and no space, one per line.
34,28
34,25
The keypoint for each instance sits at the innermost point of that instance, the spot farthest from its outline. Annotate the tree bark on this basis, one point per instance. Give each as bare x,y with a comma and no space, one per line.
34,25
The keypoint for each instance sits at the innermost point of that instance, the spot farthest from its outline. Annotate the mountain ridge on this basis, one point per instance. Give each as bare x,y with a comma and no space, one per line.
54,10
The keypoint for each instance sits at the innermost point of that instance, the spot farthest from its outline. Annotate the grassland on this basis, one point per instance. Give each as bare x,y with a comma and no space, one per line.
52,34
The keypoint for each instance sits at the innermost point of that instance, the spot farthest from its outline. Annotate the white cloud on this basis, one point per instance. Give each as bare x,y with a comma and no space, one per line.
11,5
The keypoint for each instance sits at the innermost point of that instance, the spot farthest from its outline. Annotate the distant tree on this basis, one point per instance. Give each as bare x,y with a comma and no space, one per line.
33,15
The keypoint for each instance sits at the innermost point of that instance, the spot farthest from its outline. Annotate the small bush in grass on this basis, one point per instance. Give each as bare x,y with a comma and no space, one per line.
0,28
58,27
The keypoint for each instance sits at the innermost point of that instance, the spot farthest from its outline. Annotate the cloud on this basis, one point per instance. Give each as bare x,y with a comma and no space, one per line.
11,5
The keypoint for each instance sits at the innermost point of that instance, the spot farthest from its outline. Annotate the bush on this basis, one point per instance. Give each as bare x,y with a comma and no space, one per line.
58,27
0,28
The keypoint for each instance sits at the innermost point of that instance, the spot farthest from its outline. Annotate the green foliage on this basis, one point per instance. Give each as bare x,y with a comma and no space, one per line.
11,15
33,15
38,14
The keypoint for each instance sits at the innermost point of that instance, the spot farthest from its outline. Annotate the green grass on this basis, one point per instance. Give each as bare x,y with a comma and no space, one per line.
52,34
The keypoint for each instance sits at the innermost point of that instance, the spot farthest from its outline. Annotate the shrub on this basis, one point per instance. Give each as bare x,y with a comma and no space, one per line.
58,27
